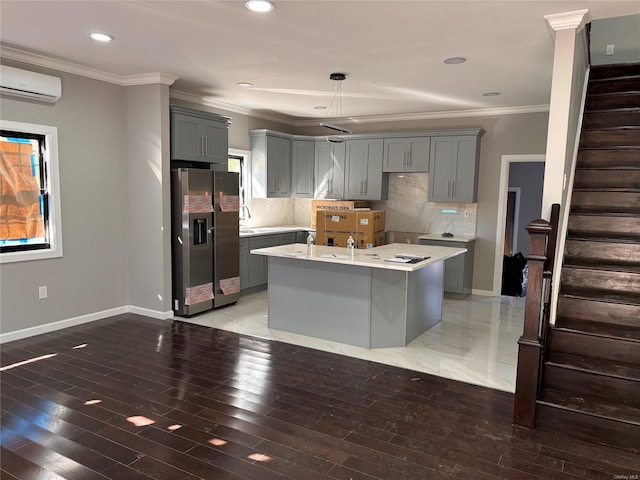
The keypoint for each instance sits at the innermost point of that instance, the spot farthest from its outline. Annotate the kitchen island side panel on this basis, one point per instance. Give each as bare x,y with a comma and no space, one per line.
388,307
322,300
424,299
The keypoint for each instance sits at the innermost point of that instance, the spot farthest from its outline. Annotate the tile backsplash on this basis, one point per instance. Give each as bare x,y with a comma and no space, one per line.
406,209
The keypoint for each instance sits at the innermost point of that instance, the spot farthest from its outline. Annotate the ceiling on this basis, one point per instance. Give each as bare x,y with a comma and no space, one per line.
392,51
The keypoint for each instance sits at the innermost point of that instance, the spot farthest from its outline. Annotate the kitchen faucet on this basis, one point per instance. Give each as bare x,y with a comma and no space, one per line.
248,211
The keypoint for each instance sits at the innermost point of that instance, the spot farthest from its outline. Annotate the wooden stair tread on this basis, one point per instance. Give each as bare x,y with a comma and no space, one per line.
623,332
599,294
582,237
593,406
606,209
595,264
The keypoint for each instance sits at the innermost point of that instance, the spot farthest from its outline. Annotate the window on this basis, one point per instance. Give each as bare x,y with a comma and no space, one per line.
30,225
238,162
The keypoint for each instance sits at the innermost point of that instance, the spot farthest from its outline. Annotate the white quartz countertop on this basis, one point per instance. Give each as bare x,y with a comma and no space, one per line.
377,257
456,238
255,231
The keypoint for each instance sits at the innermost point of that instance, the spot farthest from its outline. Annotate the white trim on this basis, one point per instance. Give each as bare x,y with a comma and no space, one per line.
59,325
246,180
91,317
483,293
53,175
568,20
565,210
503,185
516,215
76,69
150,313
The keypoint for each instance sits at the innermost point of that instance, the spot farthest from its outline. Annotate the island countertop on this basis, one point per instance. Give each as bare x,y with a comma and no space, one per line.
377,257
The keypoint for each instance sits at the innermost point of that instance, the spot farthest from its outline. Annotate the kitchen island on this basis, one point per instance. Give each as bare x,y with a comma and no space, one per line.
367,300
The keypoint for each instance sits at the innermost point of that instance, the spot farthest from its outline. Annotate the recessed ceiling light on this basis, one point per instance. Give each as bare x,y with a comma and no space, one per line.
454,60
320,107
101,37
259,6
490,94
244,84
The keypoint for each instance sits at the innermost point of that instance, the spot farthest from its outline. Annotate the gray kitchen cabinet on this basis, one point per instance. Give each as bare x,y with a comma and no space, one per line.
302,168
255,268
453,173
271,164
198,136
364,179
458,271
329,171
244,263
410,154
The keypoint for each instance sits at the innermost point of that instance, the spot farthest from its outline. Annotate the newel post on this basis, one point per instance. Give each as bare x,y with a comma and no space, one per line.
529,344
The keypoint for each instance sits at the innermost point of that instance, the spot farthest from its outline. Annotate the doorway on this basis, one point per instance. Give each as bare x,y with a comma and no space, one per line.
503,196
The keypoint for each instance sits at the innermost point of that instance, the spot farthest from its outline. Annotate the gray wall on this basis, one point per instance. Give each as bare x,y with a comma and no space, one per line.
622,32
504,135
529,176
91,276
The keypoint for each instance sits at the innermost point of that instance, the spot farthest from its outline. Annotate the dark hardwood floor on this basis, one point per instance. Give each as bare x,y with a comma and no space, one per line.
132,398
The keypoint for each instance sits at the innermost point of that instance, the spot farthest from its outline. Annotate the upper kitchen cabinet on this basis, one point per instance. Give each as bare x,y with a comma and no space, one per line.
198,136
302,167
364,179
270,164
329,172
453,172
408,154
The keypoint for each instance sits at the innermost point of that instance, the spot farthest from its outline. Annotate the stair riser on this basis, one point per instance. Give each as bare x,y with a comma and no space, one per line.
594,178
612,101
627,137
597,120
593,346
605,280
604,226
598,311
615,71
617,85
608,158
579,383
589,428
577,251
606,201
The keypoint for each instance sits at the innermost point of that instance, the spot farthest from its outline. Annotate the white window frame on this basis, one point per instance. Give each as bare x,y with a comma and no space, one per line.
53,188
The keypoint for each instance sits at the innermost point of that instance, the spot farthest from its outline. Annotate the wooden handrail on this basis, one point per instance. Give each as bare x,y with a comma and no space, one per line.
530,344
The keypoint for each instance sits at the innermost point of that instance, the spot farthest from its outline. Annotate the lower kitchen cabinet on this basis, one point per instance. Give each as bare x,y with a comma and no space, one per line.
458,271
254,269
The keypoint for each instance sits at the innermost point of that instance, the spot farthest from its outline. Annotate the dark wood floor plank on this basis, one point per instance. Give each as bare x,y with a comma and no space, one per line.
134,398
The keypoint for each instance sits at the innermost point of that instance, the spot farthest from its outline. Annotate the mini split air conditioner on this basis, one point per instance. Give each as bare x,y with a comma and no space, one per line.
25,84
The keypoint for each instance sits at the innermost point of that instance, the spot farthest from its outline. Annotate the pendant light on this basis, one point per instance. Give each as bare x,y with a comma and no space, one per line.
337,101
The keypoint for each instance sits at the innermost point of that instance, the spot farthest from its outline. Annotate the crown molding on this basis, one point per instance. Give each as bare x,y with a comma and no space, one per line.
155,78
484,112
70,67
569,20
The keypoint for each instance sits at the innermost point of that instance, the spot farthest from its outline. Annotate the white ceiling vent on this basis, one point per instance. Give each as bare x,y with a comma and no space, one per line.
25,84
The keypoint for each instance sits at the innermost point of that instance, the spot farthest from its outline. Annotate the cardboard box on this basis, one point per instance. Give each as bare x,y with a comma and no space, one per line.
333,228
334,205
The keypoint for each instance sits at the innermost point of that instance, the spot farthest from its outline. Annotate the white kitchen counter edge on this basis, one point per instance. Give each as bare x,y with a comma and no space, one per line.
258,231
440,238
370,257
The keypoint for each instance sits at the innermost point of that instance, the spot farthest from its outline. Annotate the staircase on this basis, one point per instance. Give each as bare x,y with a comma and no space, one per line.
591,370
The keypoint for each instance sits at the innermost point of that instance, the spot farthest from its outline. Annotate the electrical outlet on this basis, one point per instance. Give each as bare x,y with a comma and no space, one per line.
609,50
42,292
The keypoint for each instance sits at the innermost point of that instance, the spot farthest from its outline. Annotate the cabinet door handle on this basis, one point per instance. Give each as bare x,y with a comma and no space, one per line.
206,145
364,182
449,188
202,145
453,188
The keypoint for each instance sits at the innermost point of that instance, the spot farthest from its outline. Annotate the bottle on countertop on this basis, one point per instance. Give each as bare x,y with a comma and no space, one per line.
309,245
350,247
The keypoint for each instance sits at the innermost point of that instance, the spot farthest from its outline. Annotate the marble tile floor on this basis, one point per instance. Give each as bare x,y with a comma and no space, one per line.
475,343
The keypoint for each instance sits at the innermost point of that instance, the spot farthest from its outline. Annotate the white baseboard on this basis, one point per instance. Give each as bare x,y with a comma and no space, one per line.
151,313
483,293
91,317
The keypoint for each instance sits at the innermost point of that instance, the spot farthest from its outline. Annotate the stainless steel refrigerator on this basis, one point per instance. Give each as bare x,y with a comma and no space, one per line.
205,240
